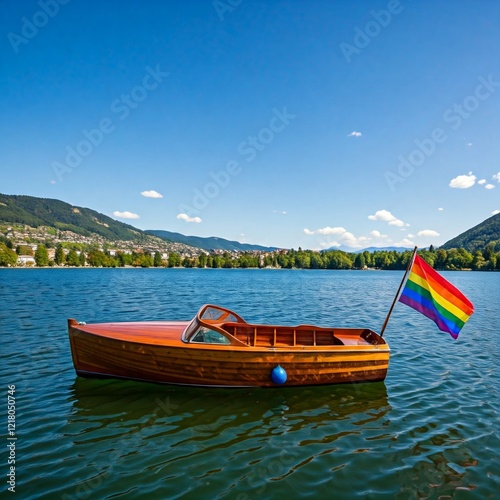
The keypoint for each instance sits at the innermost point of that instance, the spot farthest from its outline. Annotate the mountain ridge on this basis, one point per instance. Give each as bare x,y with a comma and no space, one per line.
35,212
477,237
208,243
49,212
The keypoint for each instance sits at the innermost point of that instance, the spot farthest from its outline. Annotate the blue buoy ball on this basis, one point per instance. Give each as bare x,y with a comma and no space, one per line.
278,375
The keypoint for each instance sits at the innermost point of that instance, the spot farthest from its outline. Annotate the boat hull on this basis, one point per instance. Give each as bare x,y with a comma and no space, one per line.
102,356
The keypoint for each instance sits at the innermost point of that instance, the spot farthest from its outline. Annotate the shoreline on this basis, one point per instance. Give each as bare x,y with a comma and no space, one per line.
233,268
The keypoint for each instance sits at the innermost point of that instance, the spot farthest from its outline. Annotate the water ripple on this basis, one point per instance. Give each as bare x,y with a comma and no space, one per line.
430,431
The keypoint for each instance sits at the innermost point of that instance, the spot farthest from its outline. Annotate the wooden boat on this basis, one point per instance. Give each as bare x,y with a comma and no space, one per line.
218,348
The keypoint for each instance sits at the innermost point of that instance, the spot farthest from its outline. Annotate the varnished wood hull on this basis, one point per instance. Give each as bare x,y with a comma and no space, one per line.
206,365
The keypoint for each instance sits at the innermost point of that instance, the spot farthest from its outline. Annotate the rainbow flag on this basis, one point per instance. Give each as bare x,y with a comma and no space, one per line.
429,293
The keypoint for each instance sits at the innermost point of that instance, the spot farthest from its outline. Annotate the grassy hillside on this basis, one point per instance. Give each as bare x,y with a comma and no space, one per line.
37,212
478,237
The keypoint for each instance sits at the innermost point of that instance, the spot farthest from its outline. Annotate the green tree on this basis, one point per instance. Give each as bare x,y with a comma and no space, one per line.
491,264
97,258
82,259
368,258
246,260
202,260
7,256
268,260
24,250
72,259
174,259
359,261
157,261
489,251
303,259
336,259
440,260
227,260
146,260
41,256
285,260
478,261
317,261
459,258
187,262
60,256
124,259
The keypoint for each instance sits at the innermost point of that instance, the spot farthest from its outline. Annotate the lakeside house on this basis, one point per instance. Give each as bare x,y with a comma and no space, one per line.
26,260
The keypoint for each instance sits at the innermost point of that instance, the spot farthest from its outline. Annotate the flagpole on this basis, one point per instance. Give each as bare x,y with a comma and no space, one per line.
397,293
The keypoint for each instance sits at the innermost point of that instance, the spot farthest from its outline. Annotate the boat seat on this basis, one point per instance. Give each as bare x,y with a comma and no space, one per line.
281,336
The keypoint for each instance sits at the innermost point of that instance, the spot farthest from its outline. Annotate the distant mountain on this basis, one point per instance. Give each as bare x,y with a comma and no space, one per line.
387,249
212,243
369,249
478,237
36,212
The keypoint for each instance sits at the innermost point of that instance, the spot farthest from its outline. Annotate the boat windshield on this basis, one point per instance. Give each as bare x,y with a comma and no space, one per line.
203,328
205,335
212,313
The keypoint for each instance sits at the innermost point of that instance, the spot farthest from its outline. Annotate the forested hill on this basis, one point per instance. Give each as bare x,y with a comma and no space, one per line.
212,243
476,238
36,212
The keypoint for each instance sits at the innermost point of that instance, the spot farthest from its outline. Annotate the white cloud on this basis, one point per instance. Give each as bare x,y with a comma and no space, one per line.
152,194
440,209
495,212
350,240
411,236
326,230
463,181
332,230
396,222
344,237
386,216
428,233
354,133
329,244
186,217
496,177
482,181
125,215
489,186
377,234
404,243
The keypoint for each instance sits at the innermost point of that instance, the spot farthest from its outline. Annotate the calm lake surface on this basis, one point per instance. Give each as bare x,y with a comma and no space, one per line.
431,430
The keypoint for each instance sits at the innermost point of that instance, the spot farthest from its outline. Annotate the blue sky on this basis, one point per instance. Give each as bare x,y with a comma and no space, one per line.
311,124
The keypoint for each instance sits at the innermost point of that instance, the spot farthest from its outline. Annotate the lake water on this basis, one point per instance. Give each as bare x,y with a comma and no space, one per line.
431,430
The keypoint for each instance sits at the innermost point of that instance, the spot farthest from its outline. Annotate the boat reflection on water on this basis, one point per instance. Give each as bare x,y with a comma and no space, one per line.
125,403
141,433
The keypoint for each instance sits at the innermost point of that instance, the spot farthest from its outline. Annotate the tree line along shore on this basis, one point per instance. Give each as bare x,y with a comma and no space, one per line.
68,255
